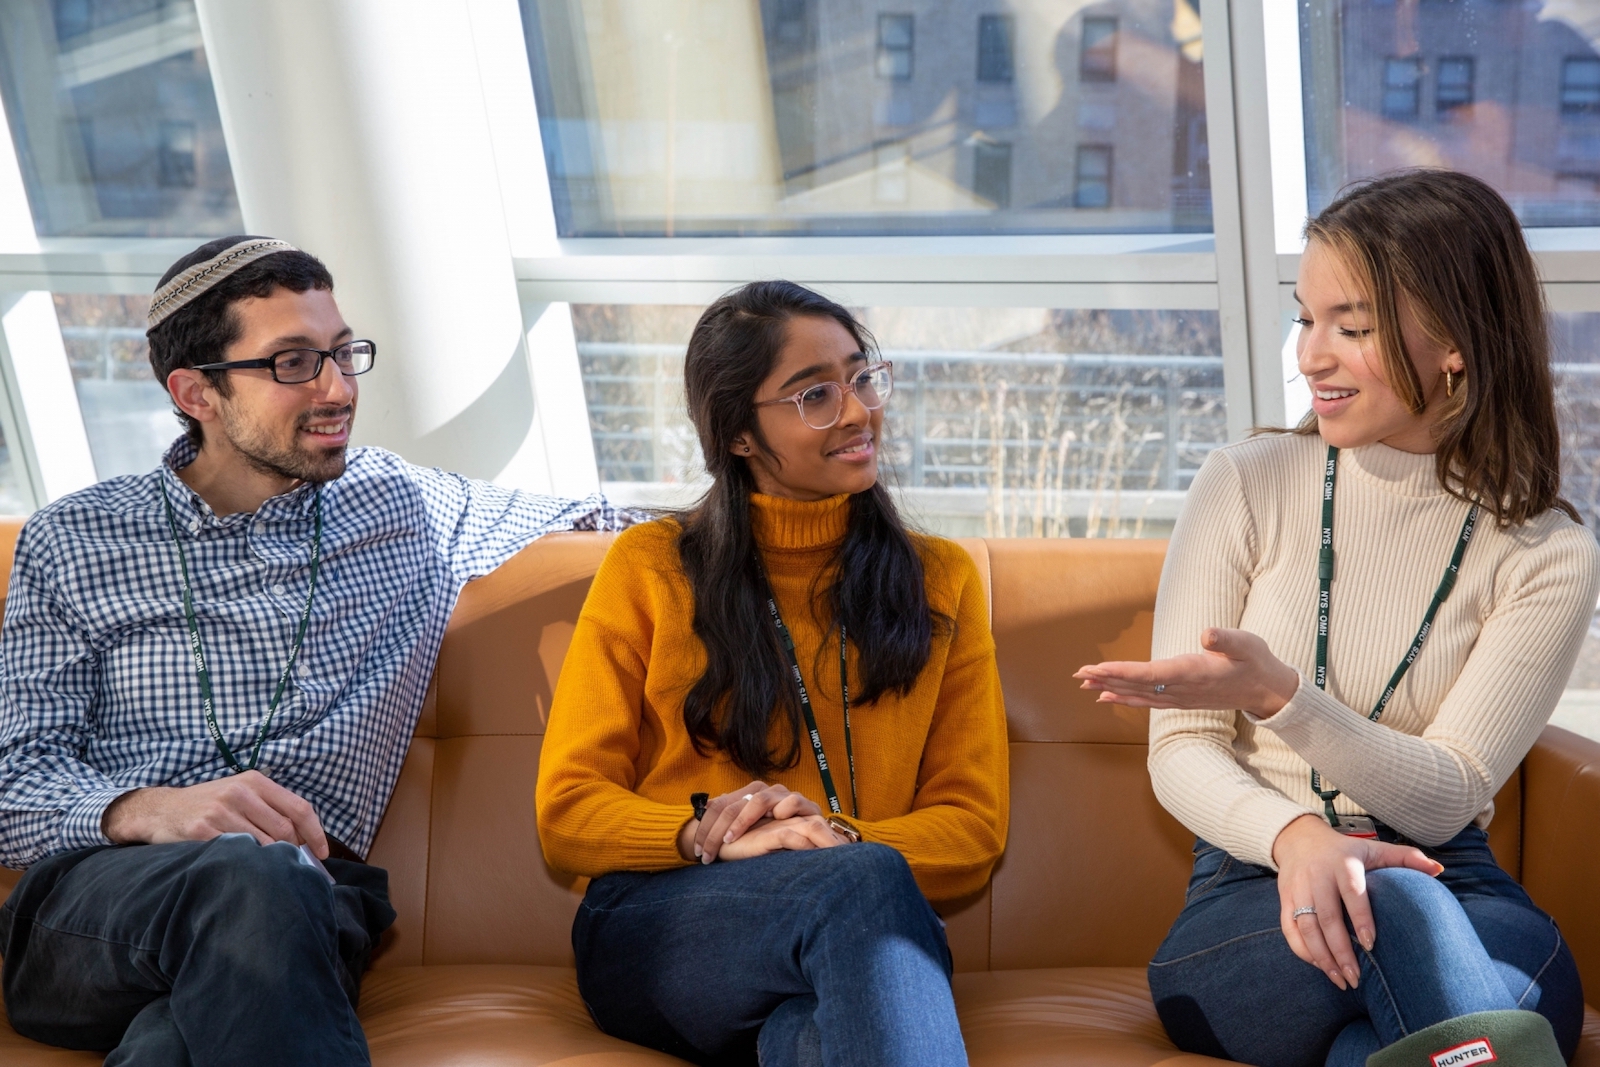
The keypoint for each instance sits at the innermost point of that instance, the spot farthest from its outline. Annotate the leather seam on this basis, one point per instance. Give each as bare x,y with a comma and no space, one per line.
427,846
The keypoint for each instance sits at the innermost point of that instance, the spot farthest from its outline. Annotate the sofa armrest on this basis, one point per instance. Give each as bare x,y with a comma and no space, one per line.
1561,840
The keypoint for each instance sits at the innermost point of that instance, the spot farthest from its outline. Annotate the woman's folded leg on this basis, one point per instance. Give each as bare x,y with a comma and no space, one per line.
694,961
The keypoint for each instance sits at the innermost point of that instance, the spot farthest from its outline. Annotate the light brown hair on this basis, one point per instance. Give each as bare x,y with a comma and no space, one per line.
1452,245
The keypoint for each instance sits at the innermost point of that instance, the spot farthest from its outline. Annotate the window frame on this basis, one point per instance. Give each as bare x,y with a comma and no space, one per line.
1570,109
1006,72
1442,107
1098,73
887,51
1418,70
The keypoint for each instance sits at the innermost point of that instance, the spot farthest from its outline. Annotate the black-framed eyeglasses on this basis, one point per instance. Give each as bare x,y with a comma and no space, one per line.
295,366
821,406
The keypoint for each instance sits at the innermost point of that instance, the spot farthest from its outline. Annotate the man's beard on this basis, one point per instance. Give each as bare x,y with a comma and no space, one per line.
256,445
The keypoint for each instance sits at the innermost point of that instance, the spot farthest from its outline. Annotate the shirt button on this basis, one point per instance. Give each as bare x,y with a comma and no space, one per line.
280,591
194,525
305,671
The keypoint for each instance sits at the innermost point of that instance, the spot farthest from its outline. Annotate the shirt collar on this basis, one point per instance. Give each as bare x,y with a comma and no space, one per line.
297,502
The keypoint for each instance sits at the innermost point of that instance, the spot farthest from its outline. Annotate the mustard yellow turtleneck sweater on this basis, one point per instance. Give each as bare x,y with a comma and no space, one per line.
618,765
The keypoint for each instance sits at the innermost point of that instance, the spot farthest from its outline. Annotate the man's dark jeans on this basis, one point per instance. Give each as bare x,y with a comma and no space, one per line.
193,953
829,956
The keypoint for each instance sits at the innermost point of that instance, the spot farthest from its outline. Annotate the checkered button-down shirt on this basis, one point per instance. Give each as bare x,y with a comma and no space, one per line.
98,693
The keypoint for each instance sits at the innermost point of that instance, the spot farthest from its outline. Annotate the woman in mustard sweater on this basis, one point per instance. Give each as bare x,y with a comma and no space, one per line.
779,731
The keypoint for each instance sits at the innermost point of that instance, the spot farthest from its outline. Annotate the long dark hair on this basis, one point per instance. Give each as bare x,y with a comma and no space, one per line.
1452,244
877,591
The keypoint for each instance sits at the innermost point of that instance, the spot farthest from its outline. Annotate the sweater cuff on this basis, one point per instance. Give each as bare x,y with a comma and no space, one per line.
1295,708
651,841
81,823
1309,720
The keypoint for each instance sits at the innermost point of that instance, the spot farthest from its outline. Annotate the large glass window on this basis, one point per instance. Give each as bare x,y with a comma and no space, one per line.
114,119
1515,90
710,117
1576,352
1011,422
126,412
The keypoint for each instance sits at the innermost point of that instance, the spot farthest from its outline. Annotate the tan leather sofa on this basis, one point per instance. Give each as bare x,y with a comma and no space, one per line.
1050,956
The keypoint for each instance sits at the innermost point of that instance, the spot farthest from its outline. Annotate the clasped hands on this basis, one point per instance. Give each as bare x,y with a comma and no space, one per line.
1322,874
753,821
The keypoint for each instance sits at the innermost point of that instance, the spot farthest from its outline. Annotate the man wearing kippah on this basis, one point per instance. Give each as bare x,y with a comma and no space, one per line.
209,676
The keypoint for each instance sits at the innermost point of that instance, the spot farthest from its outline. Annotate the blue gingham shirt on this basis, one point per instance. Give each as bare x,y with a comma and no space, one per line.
98,694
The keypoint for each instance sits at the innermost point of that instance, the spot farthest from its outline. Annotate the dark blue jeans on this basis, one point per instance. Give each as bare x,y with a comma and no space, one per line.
1226,984
193,953
804,958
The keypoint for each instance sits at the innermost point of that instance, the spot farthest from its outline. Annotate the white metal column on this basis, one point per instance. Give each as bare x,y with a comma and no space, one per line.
360,130
1242,184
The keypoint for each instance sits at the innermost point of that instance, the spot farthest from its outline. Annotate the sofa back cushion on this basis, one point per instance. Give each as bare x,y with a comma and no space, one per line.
1094,870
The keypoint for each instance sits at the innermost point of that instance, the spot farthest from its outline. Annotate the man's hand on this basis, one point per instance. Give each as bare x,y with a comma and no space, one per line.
249,803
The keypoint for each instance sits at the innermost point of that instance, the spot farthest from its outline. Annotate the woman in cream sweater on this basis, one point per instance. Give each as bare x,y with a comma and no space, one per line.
1361,629
789,630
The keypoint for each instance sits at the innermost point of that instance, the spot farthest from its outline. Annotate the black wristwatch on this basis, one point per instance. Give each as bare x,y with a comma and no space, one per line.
698,801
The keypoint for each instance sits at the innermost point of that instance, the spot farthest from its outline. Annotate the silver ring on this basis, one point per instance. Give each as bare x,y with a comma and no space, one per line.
1305,910
749,796
1161,688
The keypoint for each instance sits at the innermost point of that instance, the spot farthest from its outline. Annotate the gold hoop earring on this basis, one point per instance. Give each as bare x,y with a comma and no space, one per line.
1450,383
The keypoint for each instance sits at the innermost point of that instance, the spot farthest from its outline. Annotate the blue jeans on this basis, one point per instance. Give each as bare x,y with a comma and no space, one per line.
1226,984
193,953
826,957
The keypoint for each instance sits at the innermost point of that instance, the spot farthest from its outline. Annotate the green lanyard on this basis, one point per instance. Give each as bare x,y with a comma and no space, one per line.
1324,599
811,717
200,670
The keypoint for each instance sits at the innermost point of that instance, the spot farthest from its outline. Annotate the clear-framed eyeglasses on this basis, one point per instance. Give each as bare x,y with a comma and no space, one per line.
295,366
821,406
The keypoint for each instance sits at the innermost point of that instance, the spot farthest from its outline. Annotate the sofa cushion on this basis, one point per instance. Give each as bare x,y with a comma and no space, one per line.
512,1015
487,1015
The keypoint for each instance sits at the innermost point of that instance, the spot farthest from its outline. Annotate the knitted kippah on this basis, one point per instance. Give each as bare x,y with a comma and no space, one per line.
1501,1038
198,279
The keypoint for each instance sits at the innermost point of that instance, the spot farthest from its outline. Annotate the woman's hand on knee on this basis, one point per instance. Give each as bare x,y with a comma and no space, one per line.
1322,876
731,815
796,834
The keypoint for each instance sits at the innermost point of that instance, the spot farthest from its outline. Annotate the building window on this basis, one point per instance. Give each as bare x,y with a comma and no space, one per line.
790,22
1580,86
991,173
177,155
1098,60
996,34
1402,84
894,46
1454,87
1092,187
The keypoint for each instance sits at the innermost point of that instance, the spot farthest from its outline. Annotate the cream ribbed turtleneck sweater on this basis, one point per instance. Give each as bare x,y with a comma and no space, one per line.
1244,554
